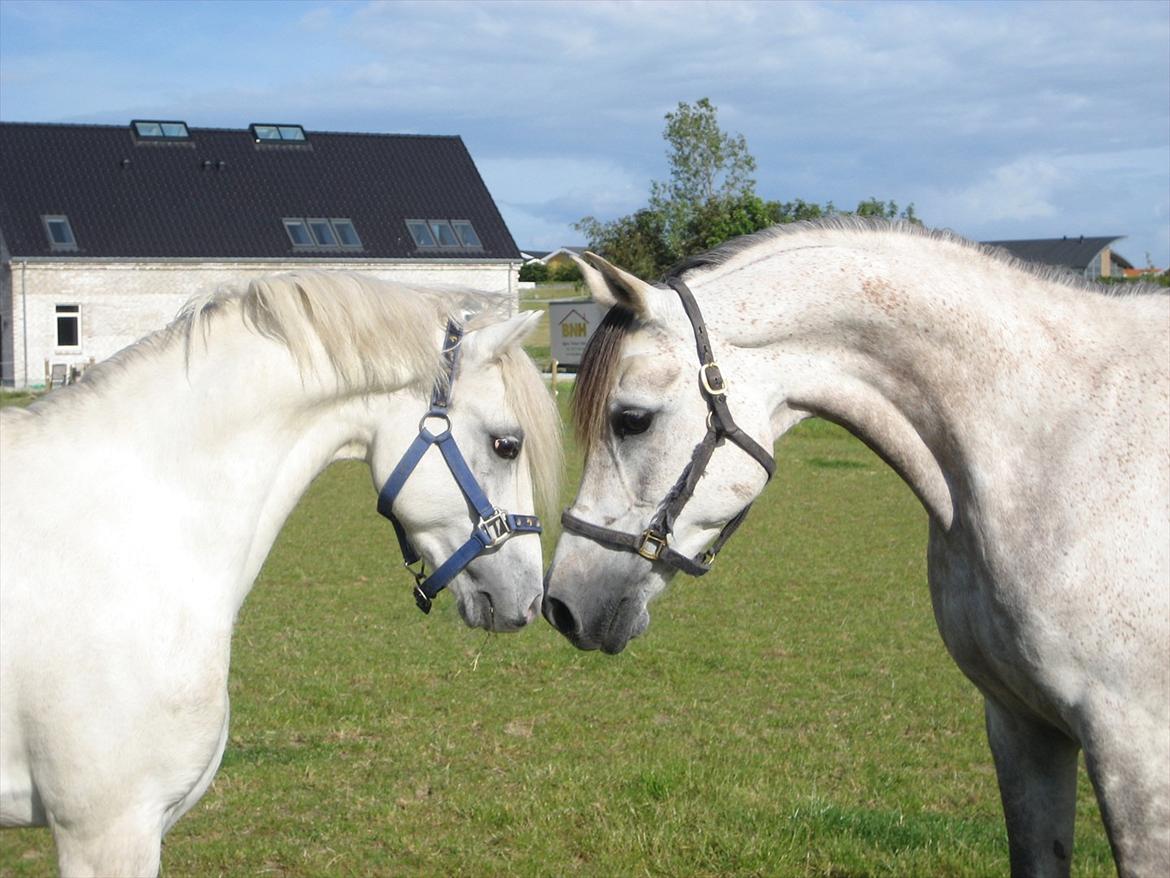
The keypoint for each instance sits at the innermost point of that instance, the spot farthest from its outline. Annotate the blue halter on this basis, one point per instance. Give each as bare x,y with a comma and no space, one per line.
494,525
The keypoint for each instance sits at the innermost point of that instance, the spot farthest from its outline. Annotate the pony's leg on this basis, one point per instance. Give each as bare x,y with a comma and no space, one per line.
1129,764
123,845
1037,770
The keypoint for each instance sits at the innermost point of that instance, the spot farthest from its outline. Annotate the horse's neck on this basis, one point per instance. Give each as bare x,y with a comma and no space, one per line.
224,443
933,362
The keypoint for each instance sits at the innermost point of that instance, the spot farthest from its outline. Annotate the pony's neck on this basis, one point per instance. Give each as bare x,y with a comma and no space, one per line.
910,350
238,432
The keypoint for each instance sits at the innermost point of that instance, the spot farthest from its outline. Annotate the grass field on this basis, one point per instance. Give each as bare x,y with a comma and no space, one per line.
793,713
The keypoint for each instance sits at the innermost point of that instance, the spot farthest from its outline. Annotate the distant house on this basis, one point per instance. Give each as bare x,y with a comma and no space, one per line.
106,230
554,258
1091,257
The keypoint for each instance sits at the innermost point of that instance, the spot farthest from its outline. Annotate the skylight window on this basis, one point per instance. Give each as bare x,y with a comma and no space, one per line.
466,232
421,232
441,234
346,233
278,133
149,129
318,233
60,233
298,232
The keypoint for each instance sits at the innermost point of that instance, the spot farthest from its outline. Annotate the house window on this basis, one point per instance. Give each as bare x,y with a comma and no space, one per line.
317,233
60,233
160,130
421,232
68,326
346,233
298,233
466,232
323,233
278,133
444,234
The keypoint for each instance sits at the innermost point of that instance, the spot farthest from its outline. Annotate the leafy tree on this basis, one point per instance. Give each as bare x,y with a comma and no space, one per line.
535,271
636,242
707,166
709,198
721,219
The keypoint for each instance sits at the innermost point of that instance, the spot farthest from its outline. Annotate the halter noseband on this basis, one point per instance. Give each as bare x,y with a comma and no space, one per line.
494,525
653,543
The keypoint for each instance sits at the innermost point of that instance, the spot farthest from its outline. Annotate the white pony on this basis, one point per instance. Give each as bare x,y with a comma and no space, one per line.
138,506
1029,414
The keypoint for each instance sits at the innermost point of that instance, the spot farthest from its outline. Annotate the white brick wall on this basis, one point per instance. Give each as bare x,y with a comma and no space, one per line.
121,302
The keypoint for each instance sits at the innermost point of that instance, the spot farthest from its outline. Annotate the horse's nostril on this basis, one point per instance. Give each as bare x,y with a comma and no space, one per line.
560,616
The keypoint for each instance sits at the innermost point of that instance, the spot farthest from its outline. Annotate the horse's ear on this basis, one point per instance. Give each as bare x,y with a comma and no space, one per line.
488,342
609,286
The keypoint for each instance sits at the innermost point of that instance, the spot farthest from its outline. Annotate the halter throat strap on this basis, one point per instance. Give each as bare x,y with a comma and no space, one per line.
494,525
653,543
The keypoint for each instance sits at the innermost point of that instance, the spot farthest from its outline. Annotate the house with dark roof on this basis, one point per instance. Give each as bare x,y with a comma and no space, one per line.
1092,258
107,230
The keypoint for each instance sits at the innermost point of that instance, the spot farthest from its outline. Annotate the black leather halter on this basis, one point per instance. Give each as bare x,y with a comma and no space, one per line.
653,543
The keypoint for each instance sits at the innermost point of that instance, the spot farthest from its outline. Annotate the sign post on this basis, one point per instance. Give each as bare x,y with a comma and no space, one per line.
571,324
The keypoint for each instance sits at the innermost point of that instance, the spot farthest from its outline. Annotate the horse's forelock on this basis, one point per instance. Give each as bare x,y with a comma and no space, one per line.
596,374
535,408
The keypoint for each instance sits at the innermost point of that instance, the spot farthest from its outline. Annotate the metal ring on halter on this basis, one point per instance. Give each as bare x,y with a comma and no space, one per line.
435,437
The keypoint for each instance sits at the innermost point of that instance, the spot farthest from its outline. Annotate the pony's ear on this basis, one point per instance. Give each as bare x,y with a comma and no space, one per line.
609,286
488,342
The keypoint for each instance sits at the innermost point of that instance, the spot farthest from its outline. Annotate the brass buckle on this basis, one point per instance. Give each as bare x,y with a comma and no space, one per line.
706,381
655,542
496,527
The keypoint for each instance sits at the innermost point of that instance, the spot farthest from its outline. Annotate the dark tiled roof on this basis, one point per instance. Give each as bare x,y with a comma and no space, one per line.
1075,253
178,200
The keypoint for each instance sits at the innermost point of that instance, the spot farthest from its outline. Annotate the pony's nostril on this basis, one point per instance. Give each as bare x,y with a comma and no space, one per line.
533,609
560,616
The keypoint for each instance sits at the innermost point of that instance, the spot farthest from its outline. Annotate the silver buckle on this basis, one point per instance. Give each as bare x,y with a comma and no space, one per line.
496,527
706,382
656,543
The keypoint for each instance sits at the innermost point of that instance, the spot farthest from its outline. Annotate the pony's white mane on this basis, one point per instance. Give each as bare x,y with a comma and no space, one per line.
727,253
376,336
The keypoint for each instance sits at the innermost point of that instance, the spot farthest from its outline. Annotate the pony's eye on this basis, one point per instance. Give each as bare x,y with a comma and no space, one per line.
630,422
507,447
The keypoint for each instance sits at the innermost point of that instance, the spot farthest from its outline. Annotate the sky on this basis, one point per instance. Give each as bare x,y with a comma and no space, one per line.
997,120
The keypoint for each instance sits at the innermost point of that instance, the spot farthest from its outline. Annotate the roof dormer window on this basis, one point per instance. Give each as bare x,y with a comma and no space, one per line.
158,130
441,234
60,233
317,233
277,133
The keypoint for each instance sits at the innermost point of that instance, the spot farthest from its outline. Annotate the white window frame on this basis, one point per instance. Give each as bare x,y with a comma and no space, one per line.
66,311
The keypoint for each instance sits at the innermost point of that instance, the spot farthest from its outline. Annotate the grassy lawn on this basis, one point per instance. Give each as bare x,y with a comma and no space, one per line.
793,713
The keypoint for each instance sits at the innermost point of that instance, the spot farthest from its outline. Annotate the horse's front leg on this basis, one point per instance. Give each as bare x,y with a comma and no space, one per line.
1037,770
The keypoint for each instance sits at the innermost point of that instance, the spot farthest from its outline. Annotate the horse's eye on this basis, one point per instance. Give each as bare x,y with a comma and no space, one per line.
507,447
630,422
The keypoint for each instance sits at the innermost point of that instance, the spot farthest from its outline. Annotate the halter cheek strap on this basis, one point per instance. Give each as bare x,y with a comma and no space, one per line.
494,525
653,543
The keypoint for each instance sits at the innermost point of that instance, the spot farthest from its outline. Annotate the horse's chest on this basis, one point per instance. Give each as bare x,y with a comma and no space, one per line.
985,626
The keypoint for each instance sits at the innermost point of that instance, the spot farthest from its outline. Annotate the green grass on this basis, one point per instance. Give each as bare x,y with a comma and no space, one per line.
793,713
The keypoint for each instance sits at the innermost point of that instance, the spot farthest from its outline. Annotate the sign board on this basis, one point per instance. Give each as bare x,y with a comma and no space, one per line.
570,325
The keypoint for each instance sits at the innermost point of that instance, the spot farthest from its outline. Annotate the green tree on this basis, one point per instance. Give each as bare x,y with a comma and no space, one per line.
709,198
636,242
707,166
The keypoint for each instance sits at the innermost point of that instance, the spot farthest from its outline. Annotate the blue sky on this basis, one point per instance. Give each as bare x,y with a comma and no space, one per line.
997,119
